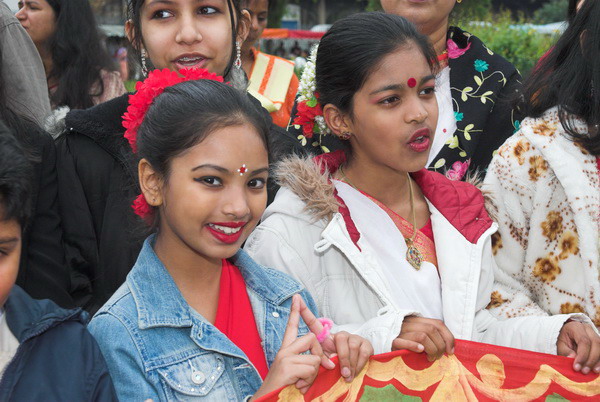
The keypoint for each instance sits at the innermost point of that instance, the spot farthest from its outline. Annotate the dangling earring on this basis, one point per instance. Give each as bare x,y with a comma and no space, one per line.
238,55
345,135
144,67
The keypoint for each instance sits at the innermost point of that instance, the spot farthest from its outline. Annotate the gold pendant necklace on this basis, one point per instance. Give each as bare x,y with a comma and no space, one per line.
413,255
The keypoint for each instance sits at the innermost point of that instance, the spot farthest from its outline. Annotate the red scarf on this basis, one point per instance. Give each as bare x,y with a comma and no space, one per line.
235,317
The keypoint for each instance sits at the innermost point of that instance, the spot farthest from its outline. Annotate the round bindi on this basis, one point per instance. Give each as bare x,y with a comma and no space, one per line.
411,82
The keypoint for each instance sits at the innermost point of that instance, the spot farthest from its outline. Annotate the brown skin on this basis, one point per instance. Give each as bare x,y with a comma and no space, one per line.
205,188
191,198
200,29
382,122
259,14
39,20
430,17
10,255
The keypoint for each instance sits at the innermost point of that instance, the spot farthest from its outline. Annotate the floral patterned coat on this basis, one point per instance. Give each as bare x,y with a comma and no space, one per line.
546,192
482,84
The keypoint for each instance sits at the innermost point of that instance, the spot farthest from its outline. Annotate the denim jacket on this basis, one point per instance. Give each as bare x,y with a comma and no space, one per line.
158,347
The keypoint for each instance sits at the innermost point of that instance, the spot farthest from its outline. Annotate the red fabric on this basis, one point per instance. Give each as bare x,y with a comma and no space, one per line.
461,203
476,372
235,317
598,163
427,230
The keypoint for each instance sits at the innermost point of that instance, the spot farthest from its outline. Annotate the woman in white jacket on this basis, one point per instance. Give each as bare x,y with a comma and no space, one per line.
545,183
347,224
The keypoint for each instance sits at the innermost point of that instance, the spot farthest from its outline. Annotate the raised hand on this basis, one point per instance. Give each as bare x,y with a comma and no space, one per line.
420,334
353,351
579,340
290,365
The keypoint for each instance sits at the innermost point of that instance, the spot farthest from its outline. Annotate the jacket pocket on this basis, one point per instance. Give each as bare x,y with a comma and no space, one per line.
198,377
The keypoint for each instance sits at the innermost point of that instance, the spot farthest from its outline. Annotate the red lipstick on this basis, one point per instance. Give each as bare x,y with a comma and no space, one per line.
226,232
420,140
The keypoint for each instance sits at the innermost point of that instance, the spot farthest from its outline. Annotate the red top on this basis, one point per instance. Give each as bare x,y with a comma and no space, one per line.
598,162
235,317
427,230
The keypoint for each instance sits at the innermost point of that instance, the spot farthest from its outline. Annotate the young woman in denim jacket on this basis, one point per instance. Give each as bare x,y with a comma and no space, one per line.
197,317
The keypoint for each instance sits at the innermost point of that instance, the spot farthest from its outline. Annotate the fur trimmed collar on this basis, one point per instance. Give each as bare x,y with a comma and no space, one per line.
461,203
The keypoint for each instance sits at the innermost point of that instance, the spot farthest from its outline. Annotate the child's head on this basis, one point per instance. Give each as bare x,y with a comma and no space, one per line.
15,193
186,33
375,80
204,165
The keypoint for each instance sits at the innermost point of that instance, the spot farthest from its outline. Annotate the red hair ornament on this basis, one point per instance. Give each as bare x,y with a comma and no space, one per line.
139,103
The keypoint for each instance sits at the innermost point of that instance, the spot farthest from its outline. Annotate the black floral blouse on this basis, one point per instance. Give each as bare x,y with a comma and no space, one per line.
482,84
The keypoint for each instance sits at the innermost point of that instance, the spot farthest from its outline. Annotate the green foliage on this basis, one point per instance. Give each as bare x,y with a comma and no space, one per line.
276,12
373,5
552,11
471,10
521,46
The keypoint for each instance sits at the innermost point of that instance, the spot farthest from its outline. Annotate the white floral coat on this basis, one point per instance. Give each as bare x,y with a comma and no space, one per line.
546,191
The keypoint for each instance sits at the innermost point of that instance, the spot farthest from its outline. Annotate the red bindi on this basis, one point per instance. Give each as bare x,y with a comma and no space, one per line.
242,170
412,82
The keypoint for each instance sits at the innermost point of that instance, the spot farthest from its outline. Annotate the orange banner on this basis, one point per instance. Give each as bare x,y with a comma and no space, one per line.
476,372
282,33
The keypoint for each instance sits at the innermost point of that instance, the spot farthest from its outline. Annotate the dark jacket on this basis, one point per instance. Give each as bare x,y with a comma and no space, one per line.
482,125
42,271
57,359
98,183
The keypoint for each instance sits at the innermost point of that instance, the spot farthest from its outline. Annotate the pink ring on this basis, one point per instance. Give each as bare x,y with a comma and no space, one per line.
327,325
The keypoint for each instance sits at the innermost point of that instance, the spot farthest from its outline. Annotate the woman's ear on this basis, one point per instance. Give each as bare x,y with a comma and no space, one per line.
130,33
244,26
151,183
339,123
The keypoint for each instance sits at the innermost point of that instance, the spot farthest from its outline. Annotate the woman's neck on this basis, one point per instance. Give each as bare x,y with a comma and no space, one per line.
388,186
46,56
247,60
197,277
437,36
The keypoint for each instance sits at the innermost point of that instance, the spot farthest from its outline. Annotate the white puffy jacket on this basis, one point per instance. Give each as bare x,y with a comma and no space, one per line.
307,233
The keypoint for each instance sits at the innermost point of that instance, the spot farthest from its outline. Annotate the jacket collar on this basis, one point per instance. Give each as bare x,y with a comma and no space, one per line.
461,203
159,302
27,317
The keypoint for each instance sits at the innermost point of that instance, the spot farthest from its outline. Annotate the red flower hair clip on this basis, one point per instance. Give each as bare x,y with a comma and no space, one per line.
139,103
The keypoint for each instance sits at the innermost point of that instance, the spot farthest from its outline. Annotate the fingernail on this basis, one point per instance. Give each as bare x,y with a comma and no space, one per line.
572,355
346,372
421,347
452,351
330,364
577,367
349,379
597,369
585,370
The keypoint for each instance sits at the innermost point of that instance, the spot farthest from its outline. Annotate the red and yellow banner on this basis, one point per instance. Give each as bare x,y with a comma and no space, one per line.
476,372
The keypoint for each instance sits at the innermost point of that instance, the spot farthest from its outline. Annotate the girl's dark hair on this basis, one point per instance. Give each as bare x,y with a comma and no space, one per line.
186,113
78,55
15,179
354,46
133,13
572,10
567,76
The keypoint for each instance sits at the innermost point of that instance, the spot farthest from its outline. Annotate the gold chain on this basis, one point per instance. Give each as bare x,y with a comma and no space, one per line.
412,200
